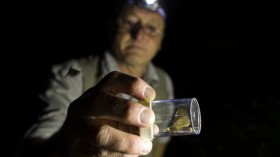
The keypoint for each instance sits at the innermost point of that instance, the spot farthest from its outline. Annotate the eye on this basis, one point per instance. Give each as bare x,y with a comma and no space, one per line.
129,22
152,30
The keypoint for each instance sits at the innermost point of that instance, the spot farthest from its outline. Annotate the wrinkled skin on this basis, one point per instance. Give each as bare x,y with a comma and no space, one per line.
99,123
138,39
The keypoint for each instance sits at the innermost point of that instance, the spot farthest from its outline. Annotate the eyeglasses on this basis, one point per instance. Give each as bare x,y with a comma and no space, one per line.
135,27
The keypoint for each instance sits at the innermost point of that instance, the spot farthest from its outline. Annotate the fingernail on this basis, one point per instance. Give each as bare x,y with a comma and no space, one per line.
147,117
149,93
146,147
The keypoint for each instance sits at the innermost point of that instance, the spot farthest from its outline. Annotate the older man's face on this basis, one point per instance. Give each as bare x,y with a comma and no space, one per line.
139,36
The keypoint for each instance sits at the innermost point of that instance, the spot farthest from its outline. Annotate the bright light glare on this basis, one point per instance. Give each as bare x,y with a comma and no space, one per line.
150,1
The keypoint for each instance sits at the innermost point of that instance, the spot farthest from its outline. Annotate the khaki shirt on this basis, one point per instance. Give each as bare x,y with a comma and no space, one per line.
61,90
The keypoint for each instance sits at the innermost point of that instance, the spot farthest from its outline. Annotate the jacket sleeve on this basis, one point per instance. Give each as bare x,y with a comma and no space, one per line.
64,85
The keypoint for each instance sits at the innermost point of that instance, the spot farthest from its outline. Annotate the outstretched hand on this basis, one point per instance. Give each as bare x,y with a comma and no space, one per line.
100,123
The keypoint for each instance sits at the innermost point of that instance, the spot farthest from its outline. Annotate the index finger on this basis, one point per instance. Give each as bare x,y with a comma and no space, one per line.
117,82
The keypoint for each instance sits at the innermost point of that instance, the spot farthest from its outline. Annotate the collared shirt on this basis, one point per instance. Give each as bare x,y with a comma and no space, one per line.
109,64
63,90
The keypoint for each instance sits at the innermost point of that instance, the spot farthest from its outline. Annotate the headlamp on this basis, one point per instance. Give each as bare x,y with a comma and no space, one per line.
149,4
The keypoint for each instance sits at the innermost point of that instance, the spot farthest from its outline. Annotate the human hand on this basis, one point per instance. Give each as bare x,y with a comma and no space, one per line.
99,123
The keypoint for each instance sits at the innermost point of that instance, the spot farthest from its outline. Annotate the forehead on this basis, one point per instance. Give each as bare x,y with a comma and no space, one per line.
143,13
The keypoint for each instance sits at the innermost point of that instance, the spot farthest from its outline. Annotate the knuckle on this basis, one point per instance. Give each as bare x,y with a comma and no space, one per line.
129,143
103,135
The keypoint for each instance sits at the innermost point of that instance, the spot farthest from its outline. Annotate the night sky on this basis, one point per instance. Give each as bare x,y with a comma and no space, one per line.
224,54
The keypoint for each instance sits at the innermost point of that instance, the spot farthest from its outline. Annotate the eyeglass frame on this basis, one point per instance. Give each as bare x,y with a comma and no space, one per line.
130,26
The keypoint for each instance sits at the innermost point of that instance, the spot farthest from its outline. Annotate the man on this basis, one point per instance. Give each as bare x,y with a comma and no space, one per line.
91,104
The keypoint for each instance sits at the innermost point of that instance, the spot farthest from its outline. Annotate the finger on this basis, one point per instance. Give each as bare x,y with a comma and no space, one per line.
111,153
119,125
116,82
119,141
91,136
107,152
83,148
103,105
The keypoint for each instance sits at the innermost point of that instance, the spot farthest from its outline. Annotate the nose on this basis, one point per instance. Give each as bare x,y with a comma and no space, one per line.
137,32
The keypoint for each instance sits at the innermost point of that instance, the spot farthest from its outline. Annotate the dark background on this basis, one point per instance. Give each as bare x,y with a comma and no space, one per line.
224,54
